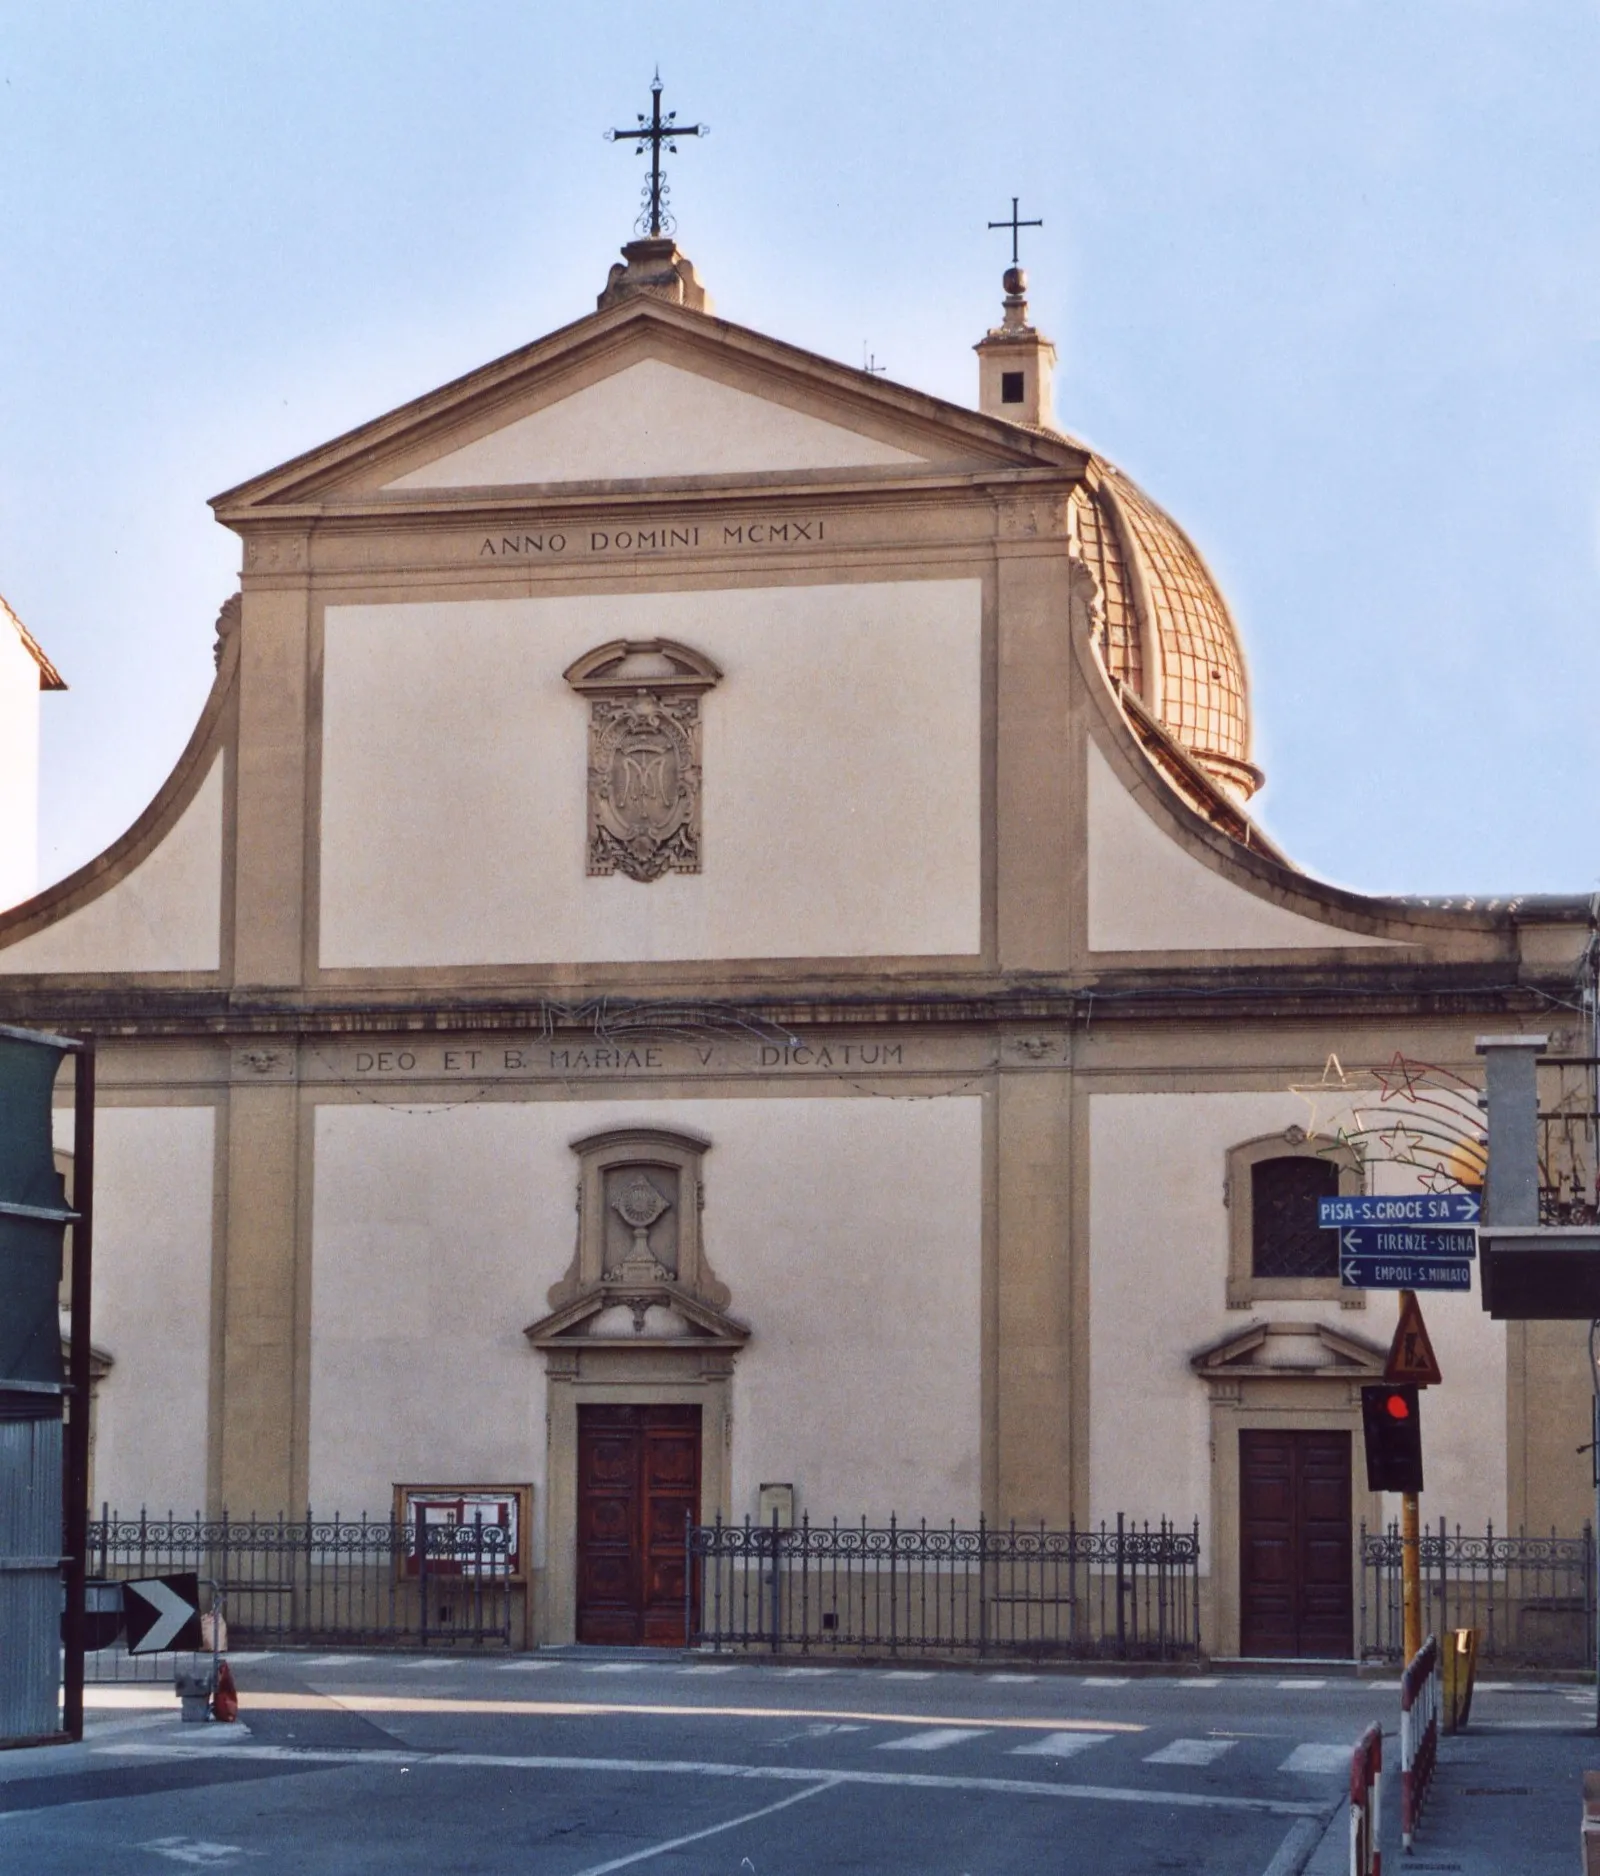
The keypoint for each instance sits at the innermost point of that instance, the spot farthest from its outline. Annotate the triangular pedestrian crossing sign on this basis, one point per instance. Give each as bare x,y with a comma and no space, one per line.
1411,1356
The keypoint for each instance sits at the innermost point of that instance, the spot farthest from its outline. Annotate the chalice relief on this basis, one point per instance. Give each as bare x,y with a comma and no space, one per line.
639,1204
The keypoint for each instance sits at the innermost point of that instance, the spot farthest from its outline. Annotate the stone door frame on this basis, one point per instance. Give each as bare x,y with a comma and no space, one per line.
653,1376
1288,1377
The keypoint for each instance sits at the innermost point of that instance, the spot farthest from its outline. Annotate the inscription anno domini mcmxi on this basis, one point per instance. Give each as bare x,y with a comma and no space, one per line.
552,543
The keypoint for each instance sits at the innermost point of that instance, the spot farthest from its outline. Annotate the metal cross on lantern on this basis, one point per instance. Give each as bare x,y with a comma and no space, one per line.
656,130
1014,224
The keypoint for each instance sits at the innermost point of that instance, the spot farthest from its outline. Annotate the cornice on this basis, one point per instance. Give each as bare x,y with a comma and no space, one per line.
889,487
1390,993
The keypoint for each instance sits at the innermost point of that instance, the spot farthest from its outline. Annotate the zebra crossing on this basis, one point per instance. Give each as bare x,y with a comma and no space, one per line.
1316,1757
554,1661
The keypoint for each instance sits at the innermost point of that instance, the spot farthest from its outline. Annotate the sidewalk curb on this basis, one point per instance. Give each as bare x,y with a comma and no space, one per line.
1331,1856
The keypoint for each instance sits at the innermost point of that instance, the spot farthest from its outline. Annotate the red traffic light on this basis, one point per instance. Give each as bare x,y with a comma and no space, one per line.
1393,1428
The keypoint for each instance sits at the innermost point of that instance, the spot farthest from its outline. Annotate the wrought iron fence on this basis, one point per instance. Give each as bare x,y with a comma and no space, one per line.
1530,1598
1126,1591
319,1582
1569,1140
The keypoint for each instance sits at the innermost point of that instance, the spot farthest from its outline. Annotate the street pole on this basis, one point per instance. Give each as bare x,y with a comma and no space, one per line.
75,1521
1595,1533
1410,1549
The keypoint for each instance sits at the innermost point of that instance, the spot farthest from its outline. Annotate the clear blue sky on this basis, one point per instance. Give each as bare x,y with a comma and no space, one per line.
1325,279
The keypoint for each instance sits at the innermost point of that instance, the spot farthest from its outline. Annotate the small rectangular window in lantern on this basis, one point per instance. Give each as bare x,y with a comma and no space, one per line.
1011,387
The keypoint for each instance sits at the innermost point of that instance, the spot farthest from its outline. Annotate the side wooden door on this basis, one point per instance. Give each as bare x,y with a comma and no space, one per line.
638,1484
1296,1595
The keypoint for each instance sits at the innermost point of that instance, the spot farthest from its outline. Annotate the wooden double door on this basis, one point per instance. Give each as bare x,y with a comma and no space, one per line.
638,1486
1295,1554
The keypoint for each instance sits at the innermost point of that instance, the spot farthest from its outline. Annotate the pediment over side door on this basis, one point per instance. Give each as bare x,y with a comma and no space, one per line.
1288,1351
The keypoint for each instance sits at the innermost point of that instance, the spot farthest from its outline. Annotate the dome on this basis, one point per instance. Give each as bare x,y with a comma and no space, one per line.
1166,635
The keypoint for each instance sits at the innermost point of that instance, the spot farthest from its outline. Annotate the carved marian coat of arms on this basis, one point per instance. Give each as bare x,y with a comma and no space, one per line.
644,755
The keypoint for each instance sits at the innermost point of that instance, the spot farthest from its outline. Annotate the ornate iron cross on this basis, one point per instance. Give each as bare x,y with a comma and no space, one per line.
1014,224
656,130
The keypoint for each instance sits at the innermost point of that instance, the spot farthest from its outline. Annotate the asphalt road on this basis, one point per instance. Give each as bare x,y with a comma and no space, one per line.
583,1764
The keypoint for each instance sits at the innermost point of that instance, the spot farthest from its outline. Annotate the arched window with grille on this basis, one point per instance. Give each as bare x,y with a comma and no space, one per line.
1277,1248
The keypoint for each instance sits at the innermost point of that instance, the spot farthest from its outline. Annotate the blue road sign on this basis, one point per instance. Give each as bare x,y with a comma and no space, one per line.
1407,1241
1400,1208
1403,1273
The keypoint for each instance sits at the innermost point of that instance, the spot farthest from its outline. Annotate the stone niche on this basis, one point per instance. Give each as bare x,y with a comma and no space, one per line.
639,1272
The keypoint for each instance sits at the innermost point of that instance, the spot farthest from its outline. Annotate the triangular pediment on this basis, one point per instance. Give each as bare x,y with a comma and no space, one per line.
643,393
649,420
1286,1350
637,1315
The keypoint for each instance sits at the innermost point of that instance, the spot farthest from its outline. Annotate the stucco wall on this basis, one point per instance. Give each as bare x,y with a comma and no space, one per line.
1147,894
163,915
19,768
849,1232
1158,1271
651,419
841,779
154,1178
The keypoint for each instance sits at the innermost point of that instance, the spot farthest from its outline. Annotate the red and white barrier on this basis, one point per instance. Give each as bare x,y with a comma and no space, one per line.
1419,1734
1366,1804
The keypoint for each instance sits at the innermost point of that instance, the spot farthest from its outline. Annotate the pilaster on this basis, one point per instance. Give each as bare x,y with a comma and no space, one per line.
258,1470
1034,1302
273,698
1035,782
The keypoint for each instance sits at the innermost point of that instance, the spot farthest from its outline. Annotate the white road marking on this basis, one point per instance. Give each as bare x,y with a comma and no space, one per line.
1061,1745
1306,1684
934,1739
332,1661
728,1669
436,1662
713,1830
703,1768
1317,1757
805,1674
1521,1726
909,1674
1200,1681
500,1707
1012,1680
197,1852
1105,1680
617,1667
1191,1752
134,1723
523,1667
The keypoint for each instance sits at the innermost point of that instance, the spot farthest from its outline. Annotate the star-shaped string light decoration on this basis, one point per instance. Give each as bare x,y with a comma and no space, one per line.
1402,1113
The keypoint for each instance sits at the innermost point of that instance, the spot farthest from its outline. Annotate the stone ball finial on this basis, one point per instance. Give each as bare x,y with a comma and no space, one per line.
1015,280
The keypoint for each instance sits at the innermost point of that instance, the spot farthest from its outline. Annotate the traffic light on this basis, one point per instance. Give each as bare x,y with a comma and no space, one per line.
1393,1426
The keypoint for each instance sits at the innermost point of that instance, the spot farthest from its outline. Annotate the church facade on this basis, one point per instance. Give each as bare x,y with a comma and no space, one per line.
713,894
